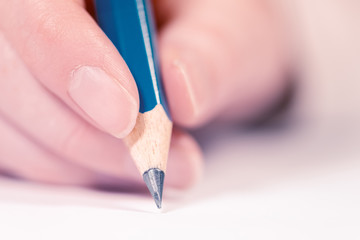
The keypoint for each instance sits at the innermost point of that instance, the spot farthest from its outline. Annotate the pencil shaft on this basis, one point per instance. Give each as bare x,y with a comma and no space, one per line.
129,25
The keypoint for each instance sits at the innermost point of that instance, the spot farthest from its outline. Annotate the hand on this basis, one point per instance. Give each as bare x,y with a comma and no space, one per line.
66,97
75,93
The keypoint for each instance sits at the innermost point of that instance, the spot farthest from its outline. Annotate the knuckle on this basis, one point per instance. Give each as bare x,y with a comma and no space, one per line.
47,26
44,24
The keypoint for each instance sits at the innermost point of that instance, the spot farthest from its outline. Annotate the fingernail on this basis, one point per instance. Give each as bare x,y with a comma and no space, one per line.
104,100
194,86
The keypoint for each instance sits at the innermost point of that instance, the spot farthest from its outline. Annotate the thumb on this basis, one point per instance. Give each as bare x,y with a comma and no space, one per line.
218,55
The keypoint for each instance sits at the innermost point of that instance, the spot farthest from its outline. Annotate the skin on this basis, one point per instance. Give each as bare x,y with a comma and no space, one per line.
219,58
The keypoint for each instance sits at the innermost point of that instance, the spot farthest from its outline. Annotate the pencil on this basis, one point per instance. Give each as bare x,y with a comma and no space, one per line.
130,26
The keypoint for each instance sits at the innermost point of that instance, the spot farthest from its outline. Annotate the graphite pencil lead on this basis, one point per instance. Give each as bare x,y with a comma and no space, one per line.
154,179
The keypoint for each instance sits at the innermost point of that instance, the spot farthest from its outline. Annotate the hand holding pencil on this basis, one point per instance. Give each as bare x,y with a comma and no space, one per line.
68,98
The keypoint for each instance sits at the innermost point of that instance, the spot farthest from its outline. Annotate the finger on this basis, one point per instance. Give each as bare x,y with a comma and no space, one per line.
60,131
22,158
185,164
36,164
50,123
69,54
221,54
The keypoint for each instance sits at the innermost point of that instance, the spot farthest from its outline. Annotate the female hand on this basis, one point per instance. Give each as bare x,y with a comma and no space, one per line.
67,96
66,99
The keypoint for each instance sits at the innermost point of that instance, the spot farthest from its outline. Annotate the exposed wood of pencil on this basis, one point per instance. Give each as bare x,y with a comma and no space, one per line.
149,141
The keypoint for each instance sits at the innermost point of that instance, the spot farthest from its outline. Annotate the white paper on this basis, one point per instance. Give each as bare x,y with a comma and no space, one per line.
257,185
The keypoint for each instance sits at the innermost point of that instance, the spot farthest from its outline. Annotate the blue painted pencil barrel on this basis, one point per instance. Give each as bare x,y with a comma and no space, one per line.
129,24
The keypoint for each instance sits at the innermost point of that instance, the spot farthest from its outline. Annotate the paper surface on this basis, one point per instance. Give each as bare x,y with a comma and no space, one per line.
264,184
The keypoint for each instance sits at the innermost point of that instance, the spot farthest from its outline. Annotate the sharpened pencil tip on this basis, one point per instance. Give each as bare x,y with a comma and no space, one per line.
154,179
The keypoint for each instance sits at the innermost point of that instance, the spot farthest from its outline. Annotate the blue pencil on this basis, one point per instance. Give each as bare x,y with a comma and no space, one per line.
130,26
